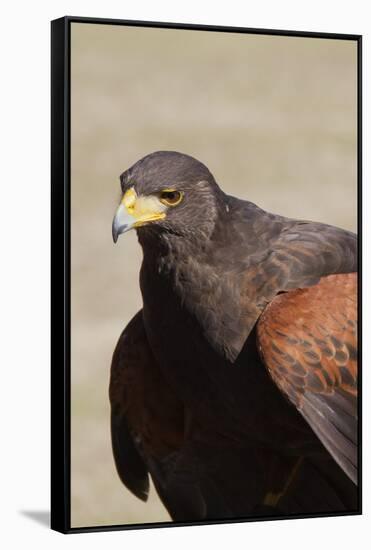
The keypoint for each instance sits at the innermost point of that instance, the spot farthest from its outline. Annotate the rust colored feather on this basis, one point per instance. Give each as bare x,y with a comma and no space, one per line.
308,341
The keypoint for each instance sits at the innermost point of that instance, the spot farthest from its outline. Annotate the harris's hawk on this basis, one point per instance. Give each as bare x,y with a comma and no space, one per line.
235,387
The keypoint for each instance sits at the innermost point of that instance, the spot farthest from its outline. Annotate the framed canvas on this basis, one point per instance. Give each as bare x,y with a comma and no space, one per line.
204,367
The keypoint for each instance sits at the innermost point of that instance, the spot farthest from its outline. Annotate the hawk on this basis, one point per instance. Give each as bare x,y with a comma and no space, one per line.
235,386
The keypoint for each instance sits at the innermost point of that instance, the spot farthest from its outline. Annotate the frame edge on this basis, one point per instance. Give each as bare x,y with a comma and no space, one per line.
60,443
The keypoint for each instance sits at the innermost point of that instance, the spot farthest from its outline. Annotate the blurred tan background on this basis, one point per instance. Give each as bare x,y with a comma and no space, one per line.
274,119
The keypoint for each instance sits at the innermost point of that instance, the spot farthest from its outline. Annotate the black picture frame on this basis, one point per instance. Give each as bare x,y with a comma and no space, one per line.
61,261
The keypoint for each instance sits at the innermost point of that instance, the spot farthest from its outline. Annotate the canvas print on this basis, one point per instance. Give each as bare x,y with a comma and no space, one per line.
213,275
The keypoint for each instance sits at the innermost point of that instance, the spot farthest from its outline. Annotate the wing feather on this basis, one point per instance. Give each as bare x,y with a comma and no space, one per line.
146,418
308,341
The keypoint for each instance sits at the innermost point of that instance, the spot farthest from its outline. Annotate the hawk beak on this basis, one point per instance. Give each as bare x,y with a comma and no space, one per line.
123,221
136,211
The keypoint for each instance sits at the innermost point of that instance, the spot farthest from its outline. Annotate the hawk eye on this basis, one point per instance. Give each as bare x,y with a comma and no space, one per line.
171,197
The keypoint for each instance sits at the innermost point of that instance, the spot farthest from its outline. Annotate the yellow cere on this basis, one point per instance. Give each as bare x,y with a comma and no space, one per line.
143,209
128,200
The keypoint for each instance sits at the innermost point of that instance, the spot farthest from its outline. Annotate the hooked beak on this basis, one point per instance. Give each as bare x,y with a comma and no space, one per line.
123,221
135,211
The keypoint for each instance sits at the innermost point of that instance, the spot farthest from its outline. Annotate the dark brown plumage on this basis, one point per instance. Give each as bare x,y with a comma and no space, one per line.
235,386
